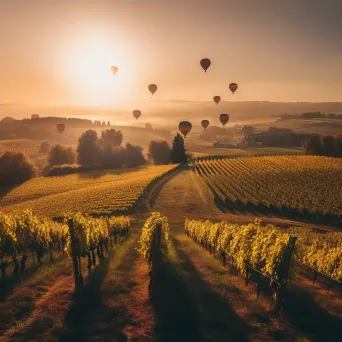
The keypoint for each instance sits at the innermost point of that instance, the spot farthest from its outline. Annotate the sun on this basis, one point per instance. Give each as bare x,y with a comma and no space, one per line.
89,71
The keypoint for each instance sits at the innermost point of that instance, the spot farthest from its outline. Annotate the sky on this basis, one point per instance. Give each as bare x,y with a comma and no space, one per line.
59,52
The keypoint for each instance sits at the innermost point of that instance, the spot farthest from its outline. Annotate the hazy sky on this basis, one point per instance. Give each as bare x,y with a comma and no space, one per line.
60,52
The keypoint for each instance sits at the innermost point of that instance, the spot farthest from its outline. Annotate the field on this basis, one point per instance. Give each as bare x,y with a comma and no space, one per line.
198,299
305,185
201,148
91,192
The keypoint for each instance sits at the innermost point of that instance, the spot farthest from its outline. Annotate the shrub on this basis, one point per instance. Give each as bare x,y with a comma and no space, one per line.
15,168
60,155
159,152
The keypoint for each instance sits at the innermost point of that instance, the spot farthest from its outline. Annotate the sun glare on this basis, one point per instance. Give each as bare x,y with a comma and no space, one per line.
89,71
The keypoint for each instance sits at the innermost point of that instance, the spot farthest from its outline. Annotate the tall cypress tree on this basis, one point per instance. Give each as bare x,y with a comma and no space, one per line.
178,151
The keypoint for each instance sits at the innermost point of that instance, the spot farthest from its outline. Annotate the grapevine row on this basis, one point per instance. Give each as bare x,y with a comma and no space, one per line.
24,233
307,185
262,247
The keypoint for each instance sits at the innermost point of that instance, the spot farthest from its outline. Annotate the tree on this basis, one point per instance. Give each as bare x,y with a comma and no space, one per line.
111,137
178,151
88,152
314,145
108,123
329,145
248,131
148,126
15,168
113,157
103,123
339,145
133,156
159,152
44,148
60,155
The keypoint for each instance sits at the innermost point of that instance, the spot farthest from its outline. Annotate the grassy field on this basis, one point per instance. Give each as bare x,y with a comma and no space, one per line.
96,192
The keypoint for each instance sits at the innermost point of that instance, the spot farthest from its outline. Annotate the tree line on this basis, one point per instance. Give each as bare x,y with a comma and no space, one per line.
93,152
326,145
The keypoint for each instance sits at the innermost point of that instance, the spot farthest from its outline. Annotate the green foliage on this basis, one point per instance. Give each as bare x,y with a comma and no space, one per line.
259,246
24,231
148,232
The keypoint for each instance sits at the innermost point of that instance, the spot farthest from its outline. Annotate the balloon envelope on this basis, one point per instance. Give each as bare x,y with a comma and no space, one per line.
185,127
114,69
224,118
205,123
60,128
205,64
217,99
152,88
136,113
233,87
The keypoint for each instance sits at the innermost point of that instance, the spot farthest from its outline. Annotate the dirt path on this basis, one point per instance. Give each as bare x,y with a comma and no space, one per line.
115,304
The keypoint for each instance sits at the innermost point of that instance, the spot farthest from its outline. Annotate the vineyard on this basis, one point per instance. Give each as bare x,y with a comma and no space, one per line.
308,186
262,247
92,192
30,152
24,233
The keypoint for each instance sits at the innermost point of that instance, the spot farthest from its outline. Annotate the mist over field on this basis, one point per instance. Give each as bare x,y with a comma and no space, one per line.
167,114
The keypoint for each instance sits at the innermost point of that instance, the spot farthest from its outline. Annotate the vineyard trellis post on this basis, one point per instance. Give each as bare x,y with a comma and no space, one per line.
76,253
155,258
279,290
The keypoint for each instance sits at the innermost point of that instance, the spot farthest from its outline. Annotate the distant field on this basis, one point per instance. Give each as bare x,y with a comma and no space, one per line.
315,125
305,185
203,148
91,192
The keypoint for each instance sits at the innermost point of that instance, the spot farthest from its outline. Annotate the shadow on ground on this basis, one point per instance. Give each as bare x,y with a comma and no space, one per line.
188,310
308,317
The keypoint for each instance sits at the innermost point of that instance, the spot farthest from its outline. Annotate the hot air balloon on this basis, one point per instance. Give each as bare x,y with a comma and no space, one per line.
185,127
114,69
205,64
60,128
233,87
217,99
224,118
205,123
152,88
136,113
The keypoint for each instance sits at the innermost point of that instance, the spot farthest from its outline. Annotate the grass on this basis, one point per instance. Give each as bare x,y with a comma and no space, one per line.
90,192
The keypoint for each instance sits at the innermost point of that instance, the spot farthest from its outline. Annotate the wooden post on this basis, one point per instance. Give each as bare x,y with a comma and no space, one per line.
75,254
155,258
247,276
279,291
